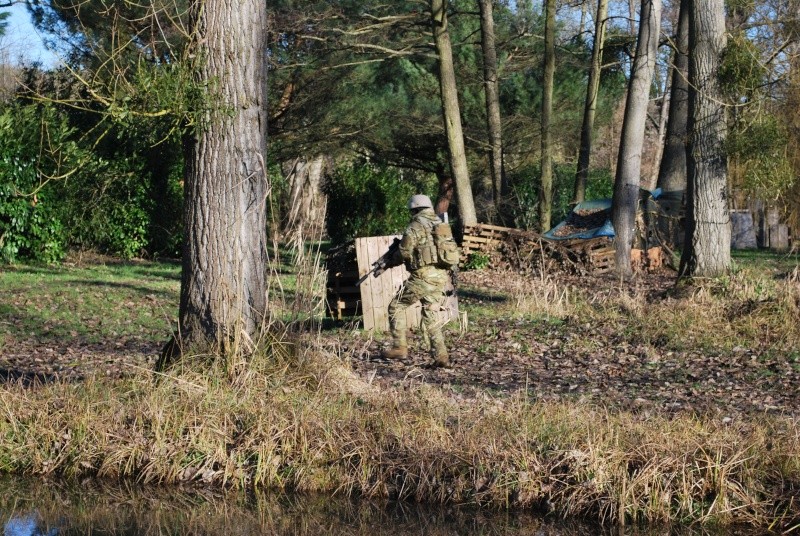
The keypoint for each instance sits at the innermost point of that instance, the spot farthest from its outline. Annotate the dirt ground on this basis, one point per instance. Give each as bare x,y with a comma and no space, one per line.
594,362
591,362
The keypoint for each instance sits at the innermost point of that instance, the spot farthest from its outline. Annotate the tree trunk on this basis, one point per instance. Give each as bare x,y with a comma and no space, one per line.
672,171
223,284
451,113
306,204
445,194
590,107
662,130
492,92
707,251
629,161
546,184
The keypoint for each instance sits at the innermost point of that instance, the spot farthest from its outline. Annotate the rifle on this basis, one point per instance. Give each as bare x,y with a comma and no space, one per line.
385,262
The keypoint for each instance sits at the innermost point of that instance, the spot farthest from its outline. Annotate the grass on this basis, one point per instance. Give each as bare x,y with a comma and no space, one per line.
297,419
90,303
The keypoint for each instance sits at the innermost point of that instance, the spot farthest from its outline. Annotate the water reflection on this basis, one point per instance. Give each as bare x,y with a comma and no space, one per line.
27,525
43,508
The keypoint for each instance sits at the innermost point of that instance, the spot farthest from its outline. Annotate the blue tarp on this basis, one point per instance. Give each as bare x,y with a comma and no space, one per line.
578,219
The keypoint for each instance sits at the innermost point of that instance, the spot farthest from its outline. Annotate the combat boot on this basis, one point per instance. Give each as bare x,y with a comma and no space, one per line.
441,358
395,352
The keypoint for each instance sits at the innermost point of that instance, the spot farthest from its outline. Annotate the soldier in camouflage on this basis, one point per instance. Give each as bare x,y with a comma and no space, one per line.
426,284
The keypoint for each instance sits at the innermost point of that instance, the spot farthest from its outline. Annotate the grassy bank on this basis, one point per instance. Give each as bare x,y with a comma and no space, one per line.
298,418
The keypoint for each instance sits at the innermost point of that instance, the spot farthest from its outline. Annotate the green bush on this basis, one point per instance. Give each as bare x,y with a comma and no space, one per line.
120,194
477,260
115,215
369,200
29,229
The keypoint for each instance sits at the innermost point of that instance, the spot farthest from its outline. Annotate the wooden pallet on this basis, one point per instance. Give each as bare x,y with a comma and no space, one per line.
483,237
600,256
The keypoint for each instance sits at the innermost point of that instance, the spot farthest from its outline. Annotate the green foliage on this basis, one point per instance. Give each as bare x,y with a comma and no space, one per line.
28,226
741,72
477,260
369,200
4,22
525,187
116,217
758,150
119,194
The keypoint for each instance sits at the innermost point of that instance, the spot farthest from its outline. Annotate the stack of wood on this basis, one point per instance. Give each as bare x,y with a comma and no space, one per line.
530,251
342,298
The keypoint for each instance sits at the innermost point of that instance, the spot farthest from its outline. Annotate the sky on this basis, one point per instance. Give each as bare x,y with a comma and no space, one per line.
22,43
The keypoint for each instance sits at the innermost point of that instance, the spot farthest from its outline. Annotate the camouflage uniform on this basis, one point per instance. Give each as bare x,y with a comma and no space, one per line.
426,284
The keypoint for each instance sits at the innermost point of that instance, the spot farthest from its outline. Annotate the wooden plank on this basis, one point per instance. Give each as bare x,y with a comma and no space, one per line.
384,291
375,292
486,226
364,266
779,237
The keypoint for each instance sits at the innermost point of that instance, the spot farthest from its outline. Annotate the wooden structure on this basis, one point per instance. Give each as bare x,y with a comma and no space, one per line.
771,233
371,299
483,238
593,255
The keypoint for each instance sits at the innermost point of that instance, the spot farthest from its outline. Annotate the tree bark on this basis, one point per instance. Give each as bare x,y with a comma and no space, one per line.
663,115
492,94
445,194
672,171
629,161
590,107
707,251
546,183
223,283
451,113
306,203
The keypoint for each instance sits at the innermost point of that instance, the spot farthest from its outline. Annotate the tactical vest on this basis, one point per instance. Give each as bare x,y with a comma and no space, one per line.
435,247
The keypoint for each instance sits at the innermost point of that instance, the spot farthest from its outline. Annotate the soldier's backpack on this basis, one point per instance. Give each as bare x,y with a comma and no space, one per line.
447,254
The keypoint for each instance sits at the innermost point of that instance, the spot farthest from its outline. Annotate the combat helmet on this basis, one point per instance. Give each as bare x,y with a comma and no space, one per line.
419,201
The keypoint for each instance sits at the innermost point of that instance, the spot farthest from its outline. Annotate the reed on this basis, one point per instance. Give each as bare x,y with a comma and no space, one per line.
303,423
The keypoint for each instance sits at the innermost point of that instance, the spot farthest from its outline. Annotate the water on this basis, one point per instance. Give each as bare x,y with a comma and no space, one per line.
30,507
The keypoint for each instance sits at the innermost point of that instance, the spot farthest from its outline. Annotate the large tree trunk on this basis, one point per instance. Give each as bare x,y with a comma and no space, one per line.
590,107
223,285
629,161
672,171
492,93
546,183
707,247
451,113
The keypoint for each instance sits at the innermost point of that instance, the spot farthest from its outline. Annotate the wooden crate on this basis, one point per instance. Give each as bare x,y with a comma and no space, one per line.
601,257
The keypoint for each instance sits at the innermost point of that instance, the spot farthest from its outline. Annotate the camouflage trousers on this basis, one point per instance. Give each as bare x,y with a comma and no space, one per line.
425,285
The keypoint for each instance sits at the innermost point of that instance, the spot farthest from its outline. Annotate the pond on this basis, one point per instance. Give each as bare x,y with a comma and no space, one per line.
31,507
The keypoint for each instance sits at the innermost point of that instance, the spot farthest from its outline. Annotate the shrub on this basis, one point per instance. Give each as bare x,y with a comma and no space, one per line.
29,229
369,200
